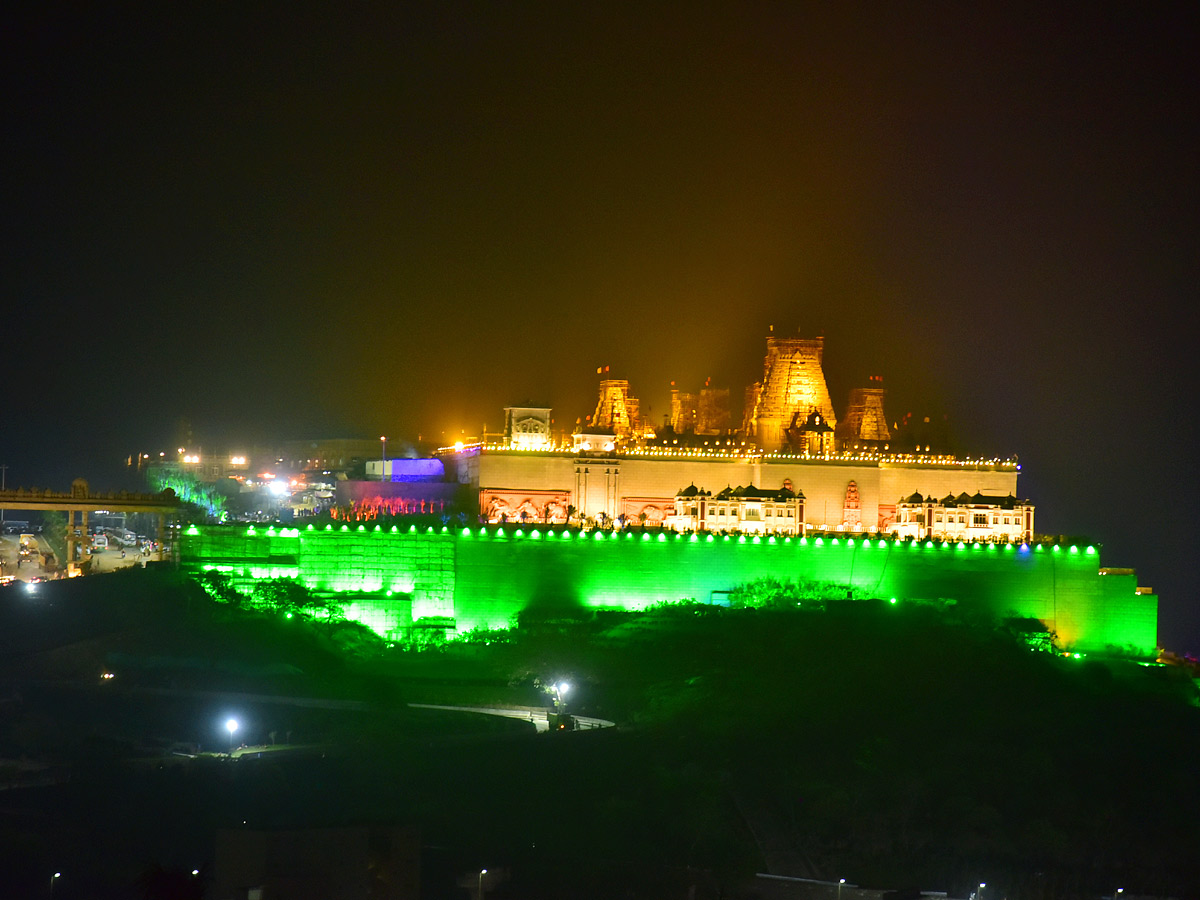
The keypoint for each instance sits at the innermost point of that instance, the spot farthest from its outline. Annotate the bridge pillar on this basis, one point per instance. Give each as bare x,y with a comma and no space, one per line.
77,534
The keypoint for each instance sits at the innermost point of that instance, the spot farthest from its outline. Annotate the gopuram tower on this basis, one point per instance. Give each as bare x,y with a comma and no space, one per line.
865,425
617,409
793,385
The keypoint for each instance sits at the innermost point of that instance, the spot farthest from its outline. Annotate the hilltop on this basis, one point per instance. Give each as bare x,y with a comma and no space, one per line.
894,745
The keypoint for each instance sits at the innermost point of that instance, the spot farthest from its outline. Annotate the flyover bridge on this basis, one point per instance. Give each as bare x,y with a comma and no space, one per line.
80,500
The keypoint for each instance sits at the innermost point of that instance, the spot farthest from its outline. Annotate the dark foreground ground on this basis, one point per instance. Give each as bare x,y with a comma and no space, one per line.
895,747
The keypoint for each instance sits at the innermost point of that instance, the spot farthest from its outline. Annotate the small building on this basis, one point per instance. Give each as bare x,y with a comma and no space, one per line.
527,427
814,436
967,517
747,509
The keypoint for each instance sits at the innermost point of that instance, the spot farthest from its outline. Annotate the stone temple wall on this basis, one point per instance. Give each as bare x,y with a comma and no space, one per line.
486,576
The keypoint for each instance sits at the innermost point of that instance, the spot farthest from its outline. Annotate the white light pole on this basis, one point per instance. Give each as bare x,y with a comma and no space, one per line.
382,455
232,726
482,872
982,885
560,691
841,881
54,878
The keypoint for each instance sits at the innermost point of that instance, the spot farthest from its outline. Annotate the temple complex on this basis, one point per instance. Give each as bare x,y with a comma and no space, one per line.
615,469
616,515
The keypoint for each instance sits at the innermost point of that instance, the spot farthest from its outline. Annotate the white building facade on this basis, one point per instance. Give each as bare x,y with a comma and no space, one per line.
975,517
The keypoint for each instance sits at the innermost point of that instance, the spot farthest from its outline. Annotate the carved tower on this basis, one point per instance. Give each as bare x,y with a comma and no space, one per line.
793,384
865,424
616,408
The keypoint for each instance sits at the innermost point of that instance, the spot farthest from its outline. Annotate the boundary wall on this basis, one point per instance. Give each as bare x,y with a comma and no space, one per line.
393,577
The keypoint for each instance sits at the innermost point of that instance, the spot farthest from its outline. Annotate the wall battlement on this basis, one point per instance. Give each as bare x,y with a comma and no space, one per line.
394,576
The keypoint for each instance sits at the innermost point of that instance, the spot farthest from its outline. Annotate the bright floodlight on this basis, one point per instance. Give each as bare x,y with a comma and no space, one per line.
563,687
232,725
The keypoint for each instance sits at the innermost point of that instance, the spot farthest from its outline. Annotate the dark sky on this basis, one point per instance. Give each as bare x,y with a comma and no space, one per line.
354,219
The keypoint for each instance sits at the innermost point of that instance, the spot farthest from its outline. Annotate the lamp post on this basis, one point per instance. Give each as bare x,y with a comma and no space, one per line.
841,881
232,726
382,455
54,878
560,691
982,885
482,872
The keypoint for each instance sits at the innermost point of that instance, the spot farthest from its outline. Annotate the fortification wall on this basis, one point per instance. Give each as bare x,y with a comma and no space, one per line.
486,576
822,481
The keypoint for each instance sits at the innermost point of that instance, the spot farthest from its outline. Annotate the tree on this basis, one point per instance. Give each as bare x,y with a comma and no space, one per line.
54,533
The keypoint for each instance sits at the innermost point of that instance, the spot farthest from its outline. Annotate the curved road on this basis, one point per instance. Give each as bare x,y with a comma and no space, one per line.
539,717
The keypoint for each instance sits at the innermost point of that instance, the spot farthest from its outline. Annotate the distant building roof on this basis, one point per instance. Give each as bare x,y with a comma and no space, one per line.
750,492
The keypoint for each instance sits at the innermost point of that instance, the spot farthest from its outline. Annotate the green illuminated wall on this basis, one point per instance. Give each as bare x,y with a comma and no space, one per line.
484,576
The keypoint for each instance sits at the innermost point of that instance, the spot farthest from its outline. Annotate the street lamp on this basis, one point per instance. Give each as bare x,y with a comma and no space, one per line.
232,726
841,881
560,691
382,455
54,878
982,885
482,872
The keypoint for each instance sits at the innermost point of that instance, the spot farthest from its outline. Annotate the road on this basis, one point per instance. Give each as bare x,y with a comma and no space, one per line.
104,561
536,715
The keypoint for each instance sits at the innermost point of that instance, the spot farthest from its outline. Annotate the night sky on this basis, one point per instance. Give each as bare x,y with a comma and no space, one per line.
357,219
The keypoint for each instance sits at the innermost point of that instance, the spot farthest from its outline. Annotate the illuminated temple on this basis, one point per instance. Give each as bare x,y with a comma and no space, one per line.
620,515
